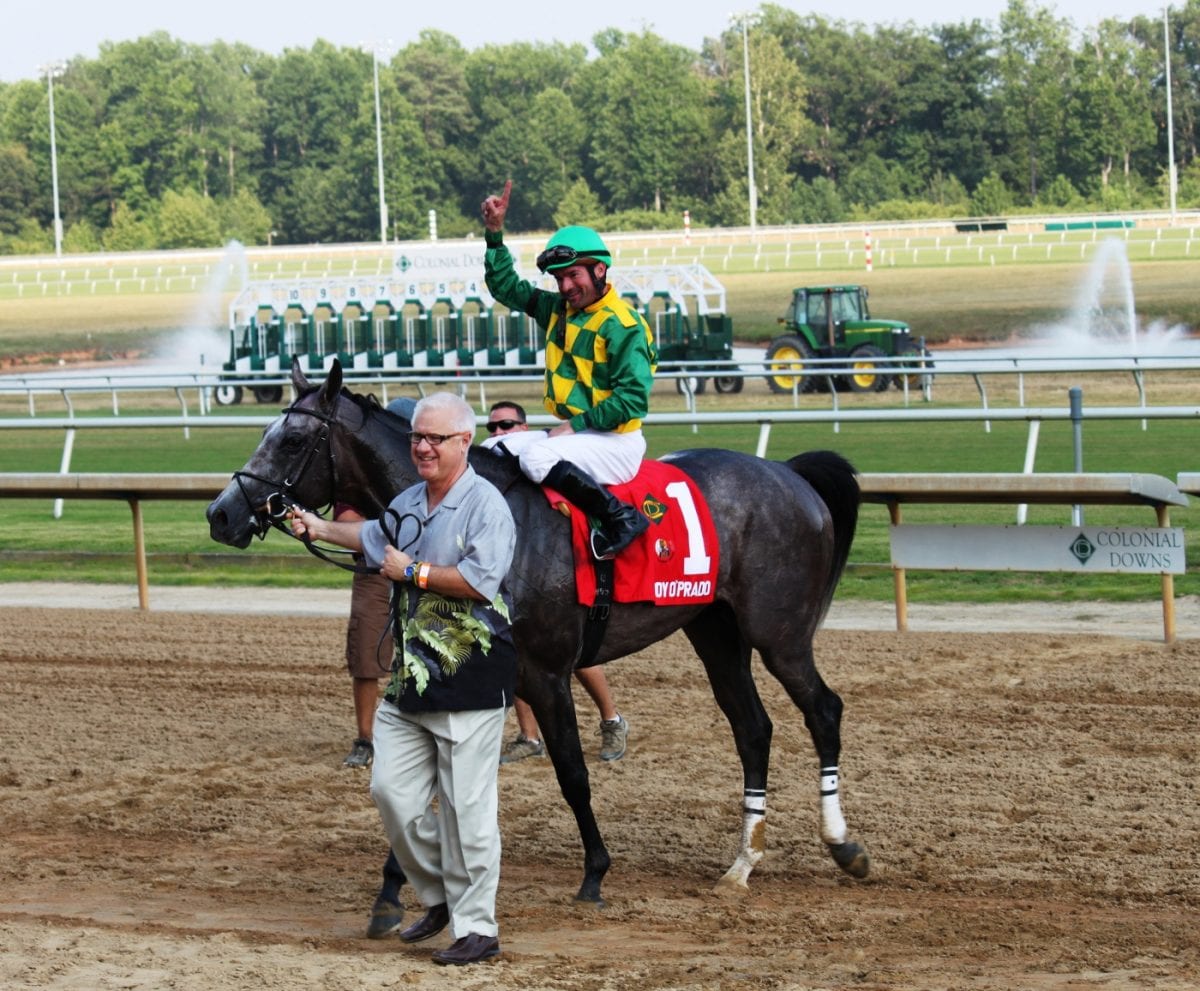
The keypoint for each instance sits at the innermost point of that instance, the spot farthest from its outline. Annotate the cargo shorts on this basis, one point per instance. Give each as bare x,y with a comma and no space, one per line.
369,643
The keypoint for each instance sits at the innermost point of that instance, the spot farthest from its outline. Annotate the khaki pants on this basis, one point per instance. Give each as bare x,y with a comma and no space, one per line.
451,855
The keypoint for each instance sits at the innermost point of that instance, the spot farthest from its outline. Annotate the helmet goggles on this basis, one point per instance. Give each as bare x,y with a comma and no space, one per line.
559,256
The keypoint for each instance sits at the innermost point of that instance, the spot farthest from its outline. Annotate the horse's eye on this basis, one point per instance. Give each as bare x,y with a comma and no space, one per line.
293,440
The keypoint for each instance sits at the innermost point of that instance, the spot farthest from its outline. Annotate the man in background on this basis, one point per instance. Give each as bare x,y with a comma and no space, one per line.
505,419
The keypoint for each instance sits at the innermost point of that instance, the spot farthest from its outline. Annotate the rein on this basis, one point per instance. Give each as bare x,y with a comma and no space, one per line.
325,553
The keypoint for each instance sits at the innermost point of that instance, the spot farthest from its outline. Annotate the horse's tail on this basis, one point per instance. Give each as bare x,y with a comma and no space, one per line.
836,482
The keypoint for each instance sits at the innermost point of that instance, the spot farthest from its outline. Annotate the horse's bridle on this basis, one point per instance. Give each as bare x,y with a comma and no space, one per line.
279,503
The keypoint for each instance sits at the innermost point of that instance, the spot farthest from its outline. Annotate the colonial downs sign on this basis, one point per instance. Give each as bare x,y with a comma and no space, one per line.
1151,550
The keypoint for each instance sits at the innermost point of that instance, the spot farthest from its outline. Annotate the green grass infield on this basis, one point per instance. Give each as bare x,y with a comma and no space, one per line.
93,542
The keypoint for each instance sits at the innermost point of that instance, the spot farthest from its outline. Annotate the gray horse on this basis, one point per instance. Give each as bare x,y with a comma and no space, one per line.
784,529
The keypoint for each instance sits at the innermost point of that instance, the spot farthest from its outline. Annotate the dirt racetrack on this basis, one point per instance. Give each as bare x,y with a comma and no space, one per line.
173,814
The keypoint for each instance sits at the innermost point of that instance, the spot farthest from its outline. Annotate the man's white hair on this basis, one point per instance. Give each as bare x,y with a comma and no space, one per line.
462,416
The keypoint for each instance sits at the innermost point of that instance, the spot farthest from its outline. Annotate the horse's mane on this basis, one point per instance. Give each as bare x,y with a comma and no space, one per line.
501,471
371,408
367,404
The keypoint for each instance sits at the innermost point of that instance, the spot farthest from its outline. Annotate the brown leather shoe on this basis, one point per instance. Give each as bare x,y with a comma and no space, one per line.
469,949
430,924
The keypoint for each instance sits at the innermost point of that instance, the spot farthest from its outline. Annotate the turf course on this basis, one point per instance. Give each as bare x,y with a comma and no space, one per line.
92,541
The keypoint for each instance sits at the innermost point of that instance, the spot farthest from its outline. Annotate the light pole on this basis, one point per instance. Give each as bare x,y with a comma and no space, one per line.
1171,178
52,69
744,18
383,214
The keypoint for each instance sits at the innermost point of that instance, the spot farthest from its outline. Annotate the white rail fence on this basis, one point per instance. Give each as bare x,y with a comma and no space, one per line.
914,379
1034,416
1020,489
1147,236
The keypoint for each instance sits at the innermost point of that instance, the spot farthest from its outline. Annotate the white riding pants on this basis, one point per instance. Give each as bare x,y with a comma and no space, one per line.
451,855
608,457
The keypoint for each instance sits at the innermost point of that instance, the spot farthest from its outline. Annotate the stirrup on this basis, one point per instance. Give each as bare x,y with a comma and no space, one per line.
592,534
639,526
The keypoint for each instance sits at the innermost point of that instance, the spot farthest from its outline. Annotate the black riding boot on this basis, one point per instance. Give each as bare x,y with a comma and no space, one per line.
619,522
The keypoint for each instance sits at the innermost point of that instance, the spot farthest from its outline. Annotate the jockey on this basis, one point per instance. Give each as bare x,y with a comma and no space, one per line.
600,362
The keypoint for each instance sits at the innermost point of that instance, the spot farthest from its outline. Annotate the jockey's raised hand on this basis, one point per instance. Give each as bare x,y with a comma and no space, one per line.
495,207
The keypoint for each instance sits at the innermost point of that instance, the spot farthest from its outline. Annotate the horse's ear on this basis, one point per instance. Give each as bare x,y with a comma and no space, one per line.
299,382
332,386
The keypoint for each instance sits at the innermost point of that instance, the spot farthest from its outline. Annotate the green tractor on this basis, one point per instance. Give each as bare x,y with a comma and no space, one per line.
833,322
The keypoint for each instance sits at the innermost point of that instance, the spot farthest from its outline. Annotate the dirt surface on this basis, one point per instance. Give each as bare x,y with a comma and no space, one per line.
174,814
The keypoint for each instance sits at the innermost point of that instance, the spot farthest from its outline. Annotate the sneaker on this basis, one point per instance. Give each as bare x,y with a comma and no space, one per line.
613,734
520,748
361,754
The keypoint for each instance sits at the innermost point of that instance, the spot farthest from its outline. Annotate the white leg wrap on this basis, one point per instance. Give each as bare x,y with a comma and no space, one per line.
754,827
833,826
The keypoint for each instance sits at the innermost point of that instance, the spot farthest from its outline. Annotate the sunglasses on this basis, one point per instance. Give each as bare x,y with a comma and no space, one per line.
562,254
502,425
433,440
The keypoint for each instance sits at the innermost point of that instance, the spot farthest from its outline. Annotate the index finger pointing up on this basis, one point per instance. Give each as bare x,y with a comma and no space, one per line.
504,195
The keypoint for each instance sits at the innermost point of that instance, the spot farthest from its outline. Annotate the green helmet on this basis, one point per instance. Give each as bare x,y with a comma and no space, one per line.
571,245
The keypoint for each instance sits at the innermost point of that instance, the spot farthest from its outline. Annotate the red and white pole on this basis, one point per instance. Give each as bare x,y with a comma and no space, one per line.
868,249
687,226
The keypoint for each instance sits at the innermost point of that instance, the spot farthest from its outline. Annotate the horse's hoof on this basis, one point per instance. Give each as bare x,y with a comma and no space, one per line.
386,918
729,886
852,858
595,901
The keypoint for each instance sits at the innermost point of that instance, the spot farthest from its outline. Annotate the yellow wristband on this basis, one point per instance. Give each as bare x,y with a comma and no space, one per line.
423,574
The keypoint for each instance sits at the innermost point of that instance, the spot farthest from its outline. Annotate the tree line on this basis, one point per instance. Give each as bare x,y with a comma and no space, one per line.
164,144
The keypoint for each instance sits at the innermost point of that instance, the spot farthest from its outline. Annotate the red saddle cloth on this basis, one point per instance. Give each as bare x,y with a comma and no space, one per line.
674,563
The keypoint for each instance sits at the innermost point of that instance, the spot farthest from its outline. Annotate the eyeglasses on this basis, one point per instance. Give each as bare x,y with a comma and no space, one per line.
503,425
433,440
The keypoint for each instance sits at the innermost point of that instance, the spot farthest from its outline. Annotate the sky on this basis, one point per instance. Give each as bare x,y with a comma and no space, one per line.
34,35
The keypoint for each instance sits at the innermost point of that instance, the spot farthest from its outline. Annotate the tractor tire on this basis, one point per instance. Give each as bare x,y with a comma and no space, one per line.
267,393
695,382
918,357
728,383
798,372
867,374
227,395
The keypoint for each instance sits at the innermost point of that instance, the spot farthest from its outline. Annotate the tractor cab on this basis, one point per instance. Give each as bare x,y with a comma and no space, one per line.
825,322
827,309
